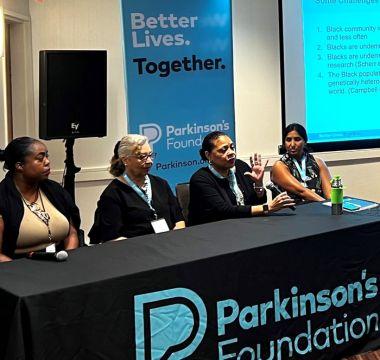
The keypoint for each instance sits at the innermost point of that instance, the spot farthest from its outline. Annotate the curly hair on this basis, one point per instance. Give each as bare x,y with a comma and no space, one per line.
126,146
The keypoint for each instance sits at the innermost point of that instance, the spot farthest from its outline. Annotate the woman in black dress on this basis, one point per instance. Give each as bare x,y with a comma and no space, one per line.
228,187
135,202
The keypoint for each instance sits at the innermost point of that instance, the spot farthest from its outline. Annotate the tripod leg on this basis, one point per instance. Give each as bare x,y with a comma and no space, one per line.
71,169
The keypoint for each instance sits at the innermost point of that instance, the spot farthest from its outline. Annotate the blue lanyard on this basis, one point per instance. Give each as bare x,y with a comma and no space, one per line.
302,169
232,183
145,195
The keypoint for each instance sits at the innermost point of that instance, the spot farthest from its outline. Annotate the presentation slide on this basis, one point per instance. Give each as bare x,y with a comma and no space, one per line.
332,68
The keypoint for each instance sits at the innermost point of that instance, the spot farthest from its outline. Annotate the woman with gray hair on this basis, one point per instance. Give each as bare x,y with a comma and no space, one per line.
135,202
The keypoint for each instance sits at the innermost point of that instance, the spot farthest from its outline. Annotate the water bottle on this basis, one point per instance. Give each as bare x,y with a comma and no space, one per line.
336,196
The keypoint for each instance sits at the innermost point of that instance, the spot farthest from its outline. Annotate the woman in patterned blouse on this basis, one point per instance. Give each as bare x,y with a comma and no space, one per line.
302,175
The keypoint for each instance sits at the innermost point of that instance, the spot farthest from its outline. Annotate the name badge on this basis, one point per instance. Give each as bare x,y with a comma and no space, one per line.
160,225
51,248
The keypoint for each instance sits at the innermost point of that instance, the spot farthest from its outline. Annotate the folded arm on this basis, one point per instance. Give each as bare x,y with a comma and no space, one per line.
71,241
282,176
3,257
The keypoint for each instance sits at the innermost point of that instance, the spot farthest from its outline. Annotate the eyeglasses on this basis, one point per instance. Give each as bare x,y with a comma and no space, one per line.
144,157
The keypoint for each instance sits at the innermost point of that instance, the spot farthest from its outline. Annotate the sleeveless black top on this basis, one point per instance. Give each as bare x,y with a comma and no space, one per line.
313,181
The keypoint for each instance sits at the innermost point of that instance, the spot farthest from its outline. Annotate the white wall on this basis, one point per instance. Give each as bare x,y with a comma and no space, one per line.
17,6
258,99
16,12
257,76
3,102
96,24
84,24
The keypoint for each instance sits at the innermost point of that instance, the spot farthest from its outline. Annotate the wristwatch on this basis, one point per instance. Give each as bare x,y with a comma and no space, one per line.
265,209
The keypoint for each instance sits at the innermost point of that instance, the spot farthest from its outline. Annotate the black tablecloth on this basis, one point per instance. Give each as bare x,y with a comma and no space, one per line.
243,271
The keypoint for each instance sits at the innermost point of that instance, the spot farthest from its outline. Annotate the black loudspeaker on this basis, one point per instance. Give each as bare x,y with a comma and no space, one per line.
73,94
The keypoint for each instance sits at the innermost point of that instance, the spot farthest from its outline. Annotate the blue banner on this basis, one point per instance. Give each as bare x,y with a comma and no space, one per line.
179,72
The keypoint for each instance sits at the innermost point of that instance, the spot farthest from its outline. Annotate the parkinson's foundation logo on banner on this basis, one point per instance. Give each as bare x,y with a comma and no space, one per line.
171,324
152,131
179,72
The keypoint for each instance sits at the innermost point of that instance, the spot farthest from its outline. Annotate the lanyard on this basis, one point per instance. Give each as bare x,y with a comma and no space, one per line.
145,195
302,169
232,183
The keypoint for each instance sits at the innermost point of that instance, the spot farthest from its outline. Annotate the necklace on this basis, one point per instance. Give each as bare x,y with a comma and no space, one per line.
39,212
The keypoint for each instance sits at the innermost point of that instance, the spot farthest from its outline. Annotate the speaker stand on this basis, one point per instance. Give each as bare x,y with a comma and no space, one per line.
71,169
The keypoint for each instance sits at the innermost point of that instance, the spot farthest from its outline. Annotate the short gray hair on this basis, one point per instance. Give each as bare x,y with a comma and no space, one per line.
130,143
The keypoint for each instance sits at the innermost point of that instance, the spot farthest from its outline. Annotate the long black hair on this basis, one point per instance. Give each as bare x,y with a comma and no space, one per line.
301,131
297,127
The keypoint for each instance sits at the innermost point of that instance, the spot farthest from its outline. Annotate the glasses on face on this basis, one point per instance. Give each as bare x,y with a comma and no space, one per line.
144,157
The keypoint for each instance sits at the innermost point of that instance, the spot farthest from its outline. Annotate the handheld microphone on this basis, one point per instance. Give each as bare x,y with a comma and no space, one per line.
276,191
49,256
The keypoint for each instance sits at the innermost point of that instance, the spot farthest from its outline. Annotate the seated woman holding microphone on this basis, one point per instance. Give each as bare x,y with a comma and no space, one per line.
303,176
228,188
34,212
135,202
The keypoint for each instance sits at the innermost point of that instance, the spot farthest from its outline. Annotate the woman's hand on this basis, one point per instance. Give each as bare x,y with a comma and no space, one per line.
4,258
282,176
179,225
257,169
281,201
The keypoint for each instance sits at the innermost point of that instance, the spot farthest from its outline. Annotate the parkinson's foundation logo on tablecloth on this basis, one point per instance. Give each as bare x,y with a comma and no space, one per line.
171,324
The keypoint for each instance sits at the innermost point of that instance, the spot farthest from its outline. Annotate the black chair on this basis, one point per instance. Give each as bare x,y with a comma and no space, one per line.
81,238
183,195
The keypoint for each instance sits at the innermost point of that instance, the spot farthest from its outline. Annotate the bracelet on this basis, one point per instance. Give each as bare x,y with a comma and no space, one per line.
265,209
258,188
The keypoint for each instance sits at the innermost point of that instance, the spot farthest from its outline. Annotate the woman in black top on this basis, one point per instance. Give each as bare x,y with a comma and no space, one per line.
228,187
302,175
135,202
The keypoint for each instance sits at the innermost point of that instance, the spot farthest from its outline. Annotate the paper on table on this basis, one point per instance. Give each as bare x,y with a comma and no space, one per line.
362,204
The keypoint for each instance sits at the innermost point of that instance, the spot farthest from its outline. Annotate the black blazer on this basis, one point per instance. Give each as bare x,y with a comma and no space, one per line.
12,209
211,198
122,212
